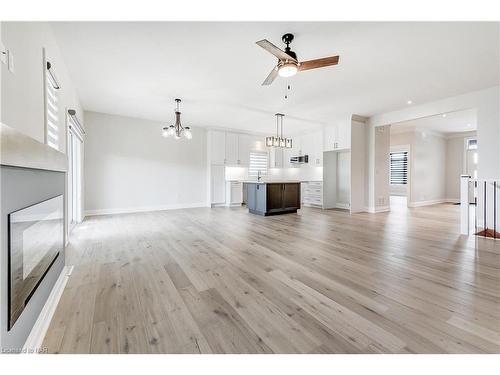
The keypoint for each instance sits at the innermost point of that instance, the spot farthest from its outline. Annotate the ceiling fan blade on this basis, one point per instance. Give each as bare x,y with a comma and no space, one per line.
271,48
319,63
271,77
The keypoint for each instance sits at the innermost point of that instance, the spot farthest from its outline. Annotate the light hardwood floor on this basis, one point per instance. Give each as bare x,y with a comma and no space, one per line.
225,281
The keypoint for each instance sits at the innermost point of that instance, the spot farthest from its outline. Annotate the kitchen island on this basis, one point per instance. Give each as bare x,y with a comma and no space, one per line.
272,197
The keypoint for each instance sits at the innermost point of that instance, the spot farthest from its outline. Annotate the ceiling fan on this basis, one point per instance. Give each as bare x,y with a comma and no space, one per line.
288,65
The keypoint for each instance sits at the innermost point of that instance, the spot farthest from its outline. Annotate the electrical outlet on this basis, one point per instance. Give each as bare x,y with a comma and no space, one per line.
10,61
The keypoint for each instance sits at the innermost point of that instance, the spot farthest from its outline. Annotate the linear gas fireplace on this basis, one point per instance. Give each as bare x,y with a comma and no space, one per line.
35,240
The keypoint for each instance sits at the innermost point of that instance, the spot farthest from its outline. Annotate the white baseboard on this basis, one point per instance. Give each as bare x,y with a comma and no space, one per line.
426,203
452,200
127,210
343,206
377,209
35,339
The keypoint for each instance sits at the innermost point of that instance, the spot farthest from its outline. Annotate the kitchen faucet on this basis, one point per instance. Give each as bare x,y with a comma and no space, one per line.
258,176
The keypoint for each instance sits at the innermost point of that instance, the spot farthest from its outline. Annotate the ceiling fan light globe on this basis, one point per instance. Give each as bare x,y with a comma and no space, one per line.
187,133
165,133
287,70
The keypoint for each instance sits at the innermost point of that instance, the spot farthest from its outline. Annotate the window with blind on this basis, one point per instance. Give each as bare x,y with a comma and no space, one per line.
258,162
52,109
399,168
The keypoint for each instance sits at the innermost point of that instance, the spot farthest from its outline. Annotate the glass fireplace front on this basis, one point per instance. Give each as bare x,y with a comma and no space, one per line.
36,237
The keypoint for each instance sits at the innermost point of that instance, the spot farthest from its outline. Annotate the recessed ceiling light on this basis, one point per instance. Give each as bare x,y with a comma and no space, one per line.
469,125
444,114
409,102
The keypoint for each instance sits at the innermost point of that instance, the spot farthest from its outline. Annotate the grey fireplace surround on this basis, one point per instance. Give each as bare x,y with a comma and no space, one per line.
30,172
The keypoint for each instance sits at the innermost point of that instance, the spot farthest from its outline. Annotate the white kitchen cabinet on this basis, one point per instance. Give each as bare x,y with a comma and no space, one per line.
337,137
217,146
276,157
344,135
218,184
234,193
317,147
231,149
244,142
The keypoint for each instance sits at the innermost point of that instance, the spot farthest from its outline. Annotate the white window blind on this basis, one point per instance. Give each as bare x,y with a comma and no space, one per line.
52,113
258,162
399,168
472,144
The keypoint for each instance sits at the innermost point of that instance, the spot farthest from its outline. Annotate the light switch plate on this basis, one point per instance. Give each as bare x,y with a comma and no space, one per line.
10,63
3,54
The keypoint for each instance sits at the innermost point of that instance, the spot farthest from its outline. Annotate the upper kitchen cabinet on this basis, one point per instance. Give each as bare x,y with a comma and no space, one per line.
316,155
244,148
337,137
217,147
276,157
232,149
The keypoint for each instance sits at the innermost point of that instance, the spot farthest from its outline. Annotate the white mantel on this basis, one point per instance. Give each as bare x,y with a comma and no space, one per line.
20,150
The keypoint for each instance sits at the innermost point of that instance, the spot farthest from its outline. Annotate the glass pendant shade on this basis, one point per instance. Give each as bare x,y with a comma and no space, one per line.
279,140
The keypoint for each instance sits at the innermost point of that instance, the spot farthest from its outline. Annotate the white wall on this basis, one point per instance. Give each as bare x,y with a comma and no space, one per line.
22,97
130,167
487,104
427,165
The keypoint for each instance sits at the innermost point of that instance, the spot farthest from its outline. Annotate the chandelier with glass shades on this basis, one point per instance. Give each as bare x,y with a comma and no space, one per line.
279,140
177,131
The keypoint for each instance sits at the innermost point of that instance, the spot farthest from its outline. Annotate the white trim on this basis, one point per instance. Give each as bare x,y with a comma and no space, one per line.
343,206
452,200
34,341
378,209
426,203
126,210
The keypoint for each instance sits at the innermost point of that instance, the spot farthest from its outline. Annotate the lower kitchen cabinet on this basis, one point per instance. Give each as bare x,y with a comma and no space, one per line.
273,198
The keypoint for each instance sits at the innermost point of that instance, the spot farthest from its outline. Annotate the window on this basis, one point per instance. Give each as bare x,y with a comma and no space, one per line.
472,144
399,168
52,108
258,162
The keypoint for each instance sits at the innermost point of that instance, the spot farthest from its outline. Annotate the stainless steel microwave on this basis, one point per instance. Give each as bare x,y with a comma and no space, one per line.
299,159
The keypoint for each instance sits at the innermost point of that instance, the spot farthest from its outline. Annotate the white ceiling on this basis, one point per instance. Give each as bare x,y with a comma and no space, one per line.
137,68
446,123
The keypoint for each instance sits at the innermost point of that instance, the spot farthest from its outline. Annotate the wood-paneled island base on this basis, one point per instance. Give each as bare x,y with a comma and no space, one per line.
273,198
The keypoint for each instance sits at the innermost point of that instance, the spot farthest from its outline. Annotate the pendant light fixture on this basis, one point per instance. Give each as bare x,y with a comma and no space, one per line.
177,131
279,140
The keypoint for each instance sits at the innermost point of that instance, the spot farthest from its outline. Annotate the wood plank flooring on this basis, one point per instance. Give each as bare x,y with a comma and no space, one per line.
224,281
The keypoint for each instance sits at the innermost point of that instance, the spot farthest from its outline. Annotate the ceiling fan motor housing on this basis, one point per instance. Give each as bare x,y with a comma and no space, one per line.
287,39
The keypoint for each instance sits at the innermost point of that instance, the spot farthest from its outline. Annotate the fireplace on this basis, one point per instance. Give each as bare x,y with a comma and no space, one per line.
35,240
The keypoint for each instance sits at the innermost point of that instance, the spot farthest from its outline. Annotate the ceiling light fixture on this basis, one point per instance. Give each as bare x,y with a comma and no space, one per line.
279,140
177,131
287,69
444,114
409,102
